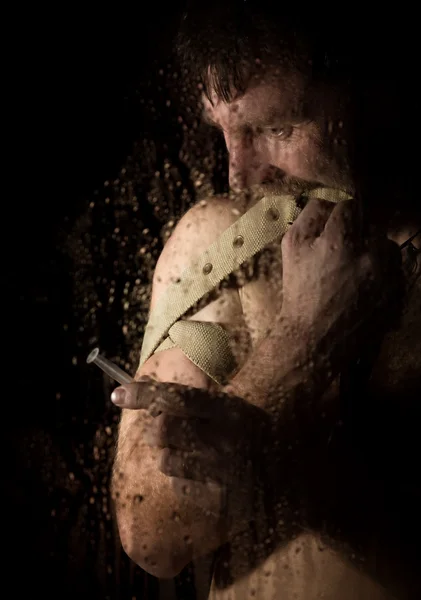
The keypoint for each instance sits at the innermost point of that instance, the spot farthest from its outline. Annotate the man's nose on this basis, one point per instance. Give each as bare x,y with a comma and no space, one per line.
246,166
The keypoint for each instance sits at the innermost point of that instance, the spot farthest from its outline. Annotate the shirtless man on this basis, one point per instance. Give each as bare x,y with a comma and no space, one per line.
291,496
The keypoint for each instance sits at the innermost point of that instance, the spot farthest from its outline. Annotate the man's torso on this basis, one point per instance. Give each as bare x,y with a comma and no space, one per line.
373,531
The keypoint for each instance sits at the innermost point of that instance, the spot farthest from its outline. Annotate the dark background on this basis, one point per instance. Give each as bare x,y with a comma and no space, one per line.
80,102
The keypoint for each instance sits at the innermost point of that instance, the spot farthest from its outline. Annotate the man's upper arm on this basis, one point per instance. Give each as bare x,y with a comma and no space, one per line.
195,232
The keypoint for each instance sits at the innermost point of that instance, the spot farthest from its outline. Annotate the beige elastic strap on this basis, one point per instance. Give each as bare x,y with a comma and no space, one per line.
207,345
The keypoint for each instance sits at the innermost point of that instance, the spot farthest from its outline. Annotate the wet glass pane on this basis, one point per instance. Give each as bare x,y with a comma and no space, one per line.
225,206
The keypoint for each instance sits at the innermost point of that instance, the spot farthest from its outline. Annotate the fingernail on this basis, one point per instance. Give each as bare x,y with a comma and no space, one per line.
119,396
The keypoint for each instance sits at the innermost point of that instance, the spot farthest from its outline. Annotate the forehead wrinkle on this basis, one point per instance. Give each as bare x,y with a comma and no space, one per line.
270,103
271,116
260,107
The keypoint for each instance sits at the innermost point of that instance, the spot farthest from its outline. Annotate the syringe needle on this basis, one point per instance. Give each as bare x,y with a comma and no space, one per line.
109,367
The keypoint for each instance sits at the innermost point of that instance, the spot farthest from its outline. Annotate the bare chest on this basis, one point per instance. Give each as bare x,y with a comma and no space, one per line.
304,569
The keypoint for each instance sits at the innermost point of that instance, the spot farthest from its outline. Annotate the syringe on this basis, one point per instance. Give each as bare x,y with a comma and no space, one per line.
109,367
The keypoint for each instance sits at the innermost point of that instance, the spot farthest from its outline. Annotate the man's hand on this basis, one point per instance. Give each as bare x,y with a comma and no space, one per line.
335,279
340,291
211,445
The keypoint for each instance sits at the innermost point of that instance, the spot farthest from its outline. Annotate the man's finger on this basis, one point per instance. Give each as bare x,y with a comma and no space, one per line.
210,497
171,398
345,224
193,465
134,395
311,222
181,433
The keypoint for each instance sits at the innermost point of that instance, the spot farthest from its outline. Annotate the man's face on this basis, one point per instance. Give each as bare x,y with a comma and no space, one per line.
282,130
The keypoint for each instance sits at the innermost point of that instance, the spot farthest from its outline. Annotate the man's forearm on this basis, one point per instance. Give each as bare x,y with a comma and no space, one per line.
289,369
286,375
158,530
280,377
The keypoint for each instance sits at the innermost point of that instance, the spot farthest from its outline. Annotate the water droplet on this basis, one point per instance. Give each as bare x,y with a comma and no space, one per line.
238,241
272,214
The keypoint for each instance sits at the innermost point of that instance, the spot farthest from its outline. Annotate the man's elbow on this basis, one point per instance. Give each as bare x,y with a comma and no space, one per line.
156,555
157,561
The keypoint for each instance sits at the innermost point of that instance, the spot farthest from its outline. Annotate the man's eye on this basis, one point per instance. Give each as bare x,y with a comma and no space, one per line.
281,133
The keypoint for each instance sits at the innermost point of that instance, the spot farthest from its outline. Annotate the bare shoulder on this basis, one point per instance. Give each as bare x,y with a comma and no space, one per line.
193,234
211,215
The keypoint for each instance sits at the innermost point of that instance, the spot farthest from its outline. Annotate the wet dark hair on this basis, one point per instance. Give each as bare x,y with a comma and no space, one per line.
223,43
